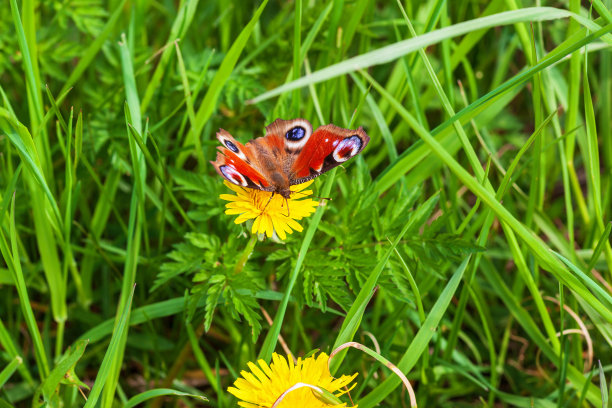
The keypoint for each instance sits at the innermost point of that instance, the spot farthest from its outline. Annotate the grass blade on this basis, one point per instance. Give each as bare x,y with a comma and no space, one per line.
10,368
209,103
420,341
352,321
399,49
159,392
113,352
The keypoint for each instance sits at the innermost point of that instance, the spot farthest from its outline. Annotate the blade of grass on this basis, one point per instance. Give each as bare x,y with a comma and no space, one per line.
352,321
189,103
49,387
603,386
9,346
22,140
297,61
524,317
601,293
47,220
10,368
113,353
181,24
159,392
12,260
538,247
29,57
159,174
566,48
419,344
483,236
211,97
592,163
599,247
136,220
203,363
399,49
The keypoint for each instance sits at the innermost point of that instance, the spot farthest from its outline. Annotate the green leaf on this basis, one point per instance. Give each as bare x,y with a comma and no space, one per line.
49,387
351,323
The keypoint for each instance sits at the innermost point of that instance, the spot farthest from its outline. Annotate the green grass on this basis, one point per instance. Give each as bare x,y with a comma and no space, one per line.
470,239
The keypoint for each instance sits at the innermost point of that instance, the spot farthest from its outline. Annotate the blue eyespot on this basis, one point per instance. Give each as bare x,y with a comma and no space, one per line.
295,134
231,146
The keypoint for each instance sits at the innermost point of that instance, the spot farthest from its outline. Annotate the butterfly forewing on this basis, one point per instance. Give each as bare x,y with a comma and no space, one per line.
291,134
235,163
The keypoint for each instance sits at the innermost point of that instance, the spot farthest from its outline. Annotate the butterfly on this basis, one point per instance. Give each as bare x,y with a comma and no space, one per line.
290,153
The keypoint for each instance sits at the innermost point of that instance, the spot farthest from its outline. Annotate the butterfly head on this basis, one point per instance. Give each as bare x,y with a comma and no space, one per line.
285,193
281,184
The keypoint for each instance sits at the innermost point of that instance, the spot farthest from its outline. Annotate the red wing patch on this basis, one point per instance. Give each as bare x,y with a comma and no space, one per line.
341,144
229,158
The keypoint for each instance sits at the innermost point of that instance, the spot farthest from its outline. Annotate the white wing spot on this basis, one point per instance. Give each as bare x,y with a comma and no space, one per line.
347,148
233,175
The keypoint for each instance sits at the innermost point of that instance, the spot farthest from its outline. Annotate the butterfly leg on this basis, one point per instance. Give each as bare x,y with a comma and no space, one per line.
287,201
269,199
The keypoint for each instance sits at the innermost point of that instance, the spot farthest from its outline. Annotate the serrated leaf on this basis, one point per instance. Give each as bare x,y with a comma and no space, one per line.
214,292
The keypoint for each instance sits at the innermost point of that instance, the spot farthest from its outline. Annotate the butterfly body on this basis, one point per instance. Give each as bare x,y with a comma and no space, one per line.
290,153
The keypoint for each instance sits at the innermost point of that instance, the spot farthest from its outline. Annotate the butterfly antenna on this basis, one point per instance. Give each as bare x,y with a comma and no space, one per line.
317,197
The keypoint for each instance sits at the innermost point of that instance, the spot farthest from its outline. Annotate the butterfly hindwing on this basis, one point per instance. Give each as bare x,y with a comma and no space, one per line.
328,147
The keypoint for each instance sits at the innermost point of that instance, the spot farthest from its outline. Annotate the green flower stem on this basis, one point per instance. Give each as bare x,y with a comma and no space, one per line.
248,250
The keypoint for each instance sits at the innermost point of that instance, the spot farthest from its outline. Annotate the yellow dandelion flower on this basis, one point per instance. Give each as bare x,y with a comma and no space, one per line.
261,387
270,215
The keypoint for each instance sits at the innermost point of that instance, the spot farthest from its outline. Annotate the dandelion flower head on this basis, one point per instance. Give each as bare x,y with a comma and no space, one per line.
264,384
270,215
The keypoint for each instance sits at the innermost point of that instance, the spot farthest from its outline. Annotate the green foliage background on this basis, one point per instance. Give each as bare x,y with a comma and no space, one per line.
470,240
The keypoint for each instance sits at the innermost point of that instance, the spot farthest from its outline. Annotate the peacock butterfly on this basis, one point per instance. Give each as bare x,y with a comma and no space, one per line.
290,153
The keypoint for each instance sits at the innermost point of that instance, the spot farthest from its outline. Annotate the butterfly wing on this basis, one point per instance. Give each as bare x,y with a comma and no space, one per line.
290,153
288,136
328,147
238,164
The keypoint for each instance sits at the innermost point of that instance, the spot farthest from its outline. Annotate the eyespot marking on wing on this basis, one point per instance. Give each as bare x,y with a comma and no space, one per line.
231,146
292,134
347,148
296,138
233,176
295,134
